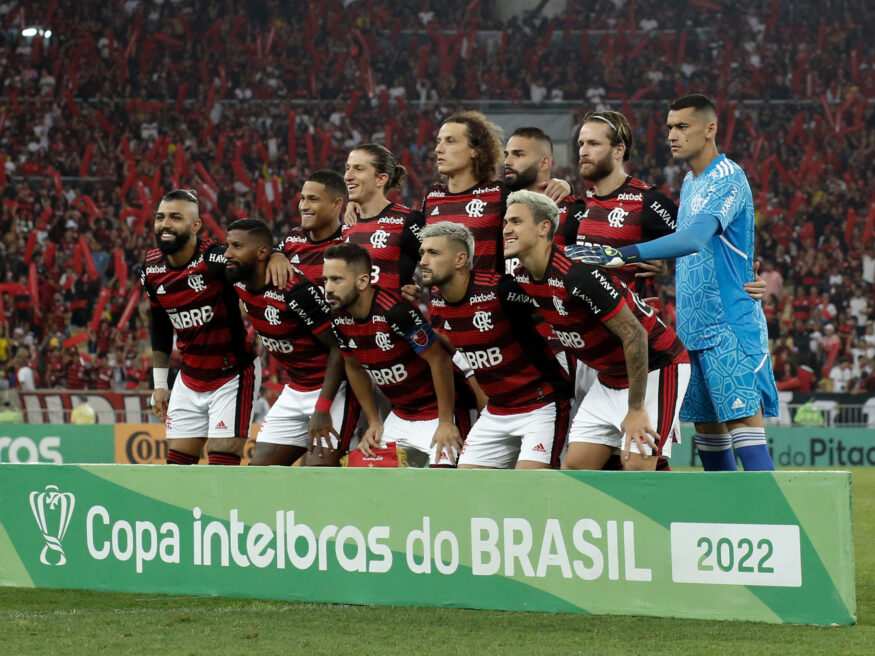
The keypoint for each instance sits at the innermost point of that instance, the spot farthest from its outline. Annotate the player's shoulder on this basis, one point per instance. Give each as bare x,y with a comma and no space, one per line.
397,209
386,299
572,199
725,170
485,280
296,234
437,190
154,256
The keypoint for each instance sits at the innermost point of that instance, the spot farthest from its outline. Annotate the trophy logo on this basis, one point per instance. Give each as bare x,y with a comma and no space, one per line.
52,510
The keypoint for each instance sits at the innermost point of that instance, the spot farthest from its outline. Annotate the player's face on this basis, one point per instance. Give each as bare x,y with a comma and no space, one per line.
340,284
240,256
520,232
175,223
521,163
687,133
595,150
361,177
317,206
436,259
453,152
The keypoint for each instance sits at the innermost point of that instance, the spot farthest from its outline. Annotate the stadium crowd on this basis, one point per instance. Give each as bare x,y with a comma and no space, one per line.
120,104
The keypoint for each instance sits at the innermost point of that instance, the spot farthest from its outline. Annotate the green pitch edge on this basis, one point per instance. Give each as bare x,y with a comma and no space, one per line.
12,569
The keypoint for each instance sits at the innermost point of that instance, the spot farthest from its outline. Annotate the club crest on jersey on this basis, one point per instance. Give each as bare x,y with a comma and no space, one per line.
272,314
475,208
482,321
560,306
383,341
697,204
380,239
196,282
616,217
420,337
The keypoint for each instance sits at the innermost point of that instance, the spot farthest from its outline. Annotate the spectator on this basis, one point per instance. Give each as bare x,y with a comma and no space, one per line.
83,413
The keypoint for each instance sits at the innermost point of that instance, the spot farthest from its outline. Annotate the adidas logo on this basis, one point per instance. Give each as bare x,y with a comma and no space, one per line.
737,404
352,344
447,325
540,449
221,426
434,212
160,290
295,259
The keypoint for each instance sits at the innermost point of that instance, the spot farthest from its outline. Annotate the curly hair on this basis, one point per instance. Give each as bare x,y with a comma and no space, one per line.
486,138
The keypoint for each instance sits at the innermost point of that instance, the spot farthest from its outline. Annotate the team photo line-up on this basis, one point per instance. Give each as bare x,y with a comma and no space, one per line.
543,344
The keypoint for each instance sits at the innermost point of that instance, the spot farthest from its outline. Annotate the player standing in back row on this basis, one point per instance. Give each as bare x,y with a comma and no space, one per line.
389,231
212,397
468,153
732,386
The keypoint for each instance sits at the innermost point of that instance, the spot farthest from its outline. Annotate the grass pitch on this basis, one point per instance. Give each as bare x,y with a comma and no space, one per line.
71,622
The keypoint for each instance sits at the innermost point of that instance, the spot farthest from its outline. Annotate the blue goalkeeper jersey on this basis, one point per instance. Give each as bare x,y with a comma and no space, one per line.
709,284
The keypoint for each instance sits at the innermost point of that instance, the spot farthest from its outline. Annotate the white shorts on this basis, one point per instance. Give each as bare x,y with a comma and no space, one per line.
222,412
499,441
416,436
603,410
288,421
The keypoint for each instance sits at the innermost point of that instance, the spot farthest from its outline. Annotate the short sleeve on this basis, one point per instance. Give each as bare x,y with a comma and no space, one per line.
595,289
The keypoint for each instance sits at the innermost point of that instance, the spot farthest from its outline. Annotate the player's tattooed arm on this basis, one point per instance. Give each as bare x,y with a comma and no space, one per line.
636,424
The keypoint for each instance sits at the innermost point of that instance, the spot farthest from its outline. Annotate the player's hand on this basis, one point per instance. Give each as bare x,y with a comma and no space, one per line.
652,269
411,292
352,213
279,270
448,438
604,256
556,189
322,434
160,398
371,439
756,289
636,426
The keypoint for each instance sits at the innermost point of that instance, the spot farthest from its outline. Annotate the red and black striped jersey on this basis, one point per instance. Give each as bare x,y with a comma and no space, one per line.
632,213
481,209
288,320
393,239
388,343
576,299
197,302
513,363
308,255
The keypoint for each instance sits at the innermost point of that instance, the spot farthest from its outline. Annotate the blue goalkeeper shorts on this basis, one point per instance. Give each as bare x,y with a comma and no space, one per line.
726,383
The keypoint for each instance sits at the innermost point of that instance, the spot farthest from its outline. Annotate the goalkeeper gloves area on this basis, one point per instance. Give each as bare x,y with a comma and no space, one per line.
603,256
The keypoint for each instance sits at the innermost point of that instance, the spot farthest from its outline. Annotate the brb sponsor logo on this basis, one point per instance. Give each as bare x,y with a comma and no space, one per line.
52,510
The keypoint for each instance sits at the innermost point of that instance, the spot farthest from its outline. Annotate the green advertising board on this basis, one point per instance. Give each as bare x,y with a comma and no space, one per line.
799,446
56,443
771,547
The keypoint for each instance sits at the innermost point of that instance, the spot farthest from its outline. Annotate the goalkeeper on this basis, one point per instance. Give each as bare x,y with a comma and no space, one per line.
732,386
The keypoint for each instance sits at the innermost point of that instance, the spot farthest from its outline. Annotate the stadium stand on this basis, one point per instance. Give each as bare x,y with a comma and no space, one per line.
105,106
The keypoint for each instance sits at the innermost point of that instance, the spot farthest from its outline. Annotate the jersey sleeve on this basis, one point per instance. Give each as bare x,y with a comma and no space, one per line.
342,341
659,216
518,305
595,289
214,257
305,300
407,321
160,328
576,211
723,198
411,240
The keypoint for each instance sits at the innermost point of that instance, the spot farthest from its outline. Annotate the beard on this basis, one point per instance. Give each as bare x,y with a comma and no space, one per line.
436,280
344,302
171,247
239,273
522,179
601,169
